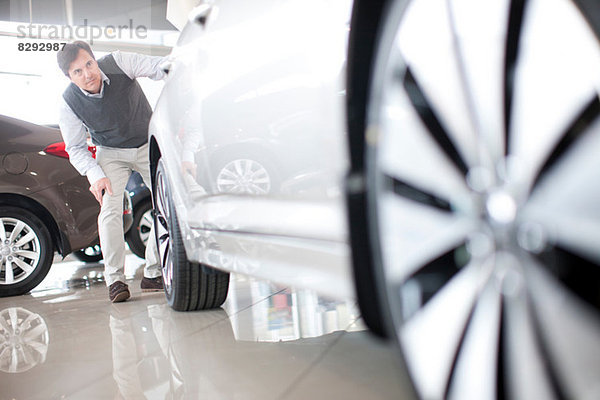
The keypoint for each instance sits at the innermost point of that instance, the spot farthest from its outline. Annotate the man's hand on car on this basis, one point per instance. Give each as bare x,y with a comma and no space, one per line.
99,187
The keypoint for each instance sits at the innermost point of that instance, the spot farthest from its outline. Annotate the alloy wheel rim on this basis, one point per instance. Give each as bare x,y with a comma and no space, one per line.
145,226
163,233
485,233
20,251
93,250
24,340
244,176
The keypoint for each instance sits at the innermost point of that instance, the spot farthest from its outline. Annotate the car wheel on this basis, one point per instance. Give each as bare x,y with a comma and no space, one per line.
137,237
188,286
483,188
26,251
90,254
245,174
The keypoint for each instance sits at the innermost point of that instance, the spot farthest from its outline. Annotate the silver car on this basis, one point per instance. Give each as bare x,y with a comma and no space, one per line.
437,159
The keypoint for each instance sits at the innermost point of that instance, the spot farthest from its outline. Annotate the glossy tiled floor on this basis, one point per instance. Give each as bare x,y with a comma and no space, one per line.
66,341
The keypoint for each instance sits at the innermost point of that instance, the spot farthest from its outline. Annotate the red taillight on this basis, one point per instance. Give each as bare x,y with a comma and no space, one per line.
58,149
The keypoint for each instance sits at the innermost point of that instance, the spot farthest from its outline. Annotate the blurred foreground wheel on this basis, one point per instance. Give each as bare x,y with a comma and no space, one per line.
188,286
26,251
483,181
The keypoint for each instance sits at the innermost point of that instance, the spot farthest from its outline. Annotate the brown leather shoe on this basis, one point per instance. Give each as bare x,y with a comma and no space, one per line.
152,284
118,292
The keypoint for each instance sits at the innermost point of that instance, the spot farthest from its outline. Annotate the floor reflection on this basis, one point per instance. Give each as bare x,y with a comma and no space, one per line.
66,340
24,340
290,314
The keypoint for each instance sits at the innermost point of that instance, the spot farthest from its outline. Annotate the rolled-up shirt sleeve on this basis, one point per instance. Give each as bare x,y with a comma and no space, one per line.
140,65
74,134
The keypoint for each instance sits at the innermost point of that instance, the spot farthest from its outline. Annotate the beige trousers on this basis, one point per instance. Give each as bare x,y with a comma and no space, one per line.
117,165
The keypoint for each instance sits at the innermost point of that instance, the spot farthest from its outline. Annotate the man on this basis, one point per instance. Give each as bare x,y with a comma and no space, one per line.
105,98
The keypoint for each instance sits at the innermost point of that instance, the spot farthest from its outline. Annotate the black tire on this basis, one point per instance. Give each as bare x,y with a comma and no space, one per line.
188,286
92,254
135,236
481,231
37,251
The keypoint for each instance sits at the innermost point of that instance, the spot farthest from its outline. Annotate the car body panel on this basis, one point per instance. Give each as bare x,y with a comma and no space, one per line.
50,181
235,89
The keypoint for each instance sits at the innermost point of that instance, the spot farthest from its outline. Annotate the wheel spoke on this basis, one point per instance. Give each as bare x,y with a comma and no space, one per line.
570,330
416,234
164,251
30,236
247,167
566,201
147,219
162,222
526,364
32,334
513,40
410,155
410,192
428,117
431,338
24,266
437,93
14,318
229,176
226,182
4,325
9,276
474,372
239,168
27,357
578,128
32,255
550,91
16,231
2,231
40,348
14,361
578,235
27,322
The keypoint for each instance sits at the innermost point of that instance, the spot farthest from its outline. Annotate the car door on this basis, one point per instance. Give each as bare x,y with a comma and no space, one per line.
256,117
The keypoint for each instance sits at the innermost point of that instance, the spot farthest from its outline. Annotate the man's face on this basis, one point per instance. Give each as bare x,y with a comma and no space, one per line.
84,72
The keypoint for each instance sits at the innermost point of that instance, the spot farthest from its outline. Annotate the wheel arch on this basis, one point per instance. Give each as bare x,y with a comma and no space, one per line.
59,241
154,156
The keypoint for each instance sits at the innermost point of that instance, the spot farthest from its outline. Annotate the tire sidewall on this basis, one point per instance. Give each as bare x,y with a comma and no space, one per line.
46,251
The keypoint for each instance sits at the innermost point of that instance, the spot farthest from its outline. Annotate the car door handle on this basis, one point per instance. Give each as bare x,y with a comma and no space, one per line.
200,14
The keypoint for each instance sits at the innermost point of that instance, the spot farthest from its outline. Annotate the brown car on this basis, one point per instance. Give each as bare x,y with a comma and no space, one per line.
45,205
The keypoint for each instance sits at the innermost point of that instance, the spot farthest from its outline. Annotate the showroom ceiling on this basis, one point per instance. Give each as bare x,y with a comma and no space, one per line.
151,13
43,18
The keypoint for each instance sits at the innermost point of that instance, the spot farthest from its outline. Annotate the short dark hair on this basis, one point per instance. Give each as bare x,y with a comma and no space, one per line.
69,53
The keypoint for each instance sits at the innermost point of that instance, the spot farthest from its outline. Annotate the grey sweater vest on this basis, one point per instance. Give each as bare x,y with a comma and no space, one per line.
121,116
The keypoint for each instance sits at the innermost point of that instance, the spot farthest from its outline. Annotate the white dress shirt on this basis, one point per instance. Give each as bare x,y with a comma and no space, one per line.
74,131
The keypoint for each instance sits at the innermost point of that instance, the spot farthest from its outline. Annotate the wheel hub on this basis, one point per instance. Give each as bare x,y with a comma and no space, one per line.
5,251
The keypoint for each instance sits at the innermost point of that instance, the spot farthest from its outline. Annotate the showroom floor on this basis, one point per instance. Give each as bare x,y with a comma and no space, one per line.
66,341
